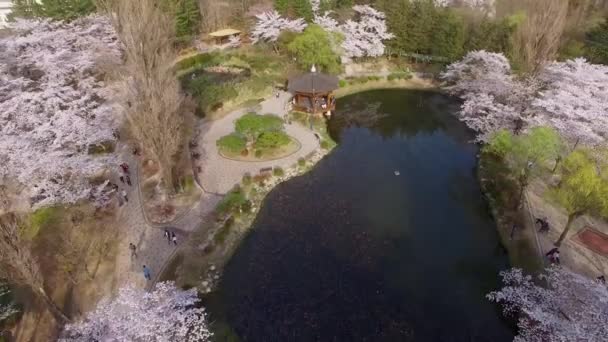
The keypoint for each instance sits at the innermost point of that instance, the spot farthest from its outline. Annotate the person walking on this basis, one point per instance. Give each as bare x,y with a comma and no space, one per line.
125,168
147,273
121,202
133,250
174,238
553,255
168,236
128,179
122,179
123,193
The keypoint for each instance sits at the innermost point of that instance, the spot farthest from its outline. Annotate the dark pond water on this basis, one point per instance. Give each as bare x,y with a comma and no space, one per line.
353,252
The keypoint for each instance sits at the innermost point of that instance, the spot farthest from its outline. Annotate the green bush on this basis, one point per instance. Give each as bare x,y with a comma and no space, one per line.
246,206
301,162
247,179
222,233
233,143
231,202
200,61
278,172
258,153
314,47
271,139
324,144
404,75
187,184
102,147
342,83
252,125
41,218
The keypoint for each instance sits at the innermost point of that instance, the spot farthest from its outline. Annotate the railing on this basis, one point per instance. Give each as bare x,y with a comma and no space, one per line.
420,58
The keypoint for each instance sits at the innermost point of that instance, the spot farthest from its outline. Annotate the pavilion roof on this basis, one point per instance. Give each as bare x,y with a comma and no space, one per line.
313,82
224,33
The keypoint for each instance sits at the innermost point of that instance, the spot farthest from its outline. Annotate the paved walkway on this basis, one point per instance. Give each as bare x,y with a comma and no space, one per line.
573,253
219,174
153,250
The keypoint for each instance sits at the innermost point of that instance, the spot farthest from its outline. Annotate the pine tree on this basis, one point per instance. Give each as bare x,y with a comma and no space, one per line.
419,23
344,3
596,44
397,16
448,36
24,9
303,9
187,18
282,6
66,9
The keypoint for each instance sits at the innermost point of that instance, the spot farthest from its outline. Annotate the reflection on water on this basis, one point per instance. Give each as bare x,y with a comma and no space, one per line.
353,252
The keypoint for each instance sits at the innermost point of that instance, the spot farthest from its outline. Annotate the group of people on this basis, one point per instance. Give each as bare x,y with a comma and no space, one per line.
124,178
543,225
146,269
553,255
171,238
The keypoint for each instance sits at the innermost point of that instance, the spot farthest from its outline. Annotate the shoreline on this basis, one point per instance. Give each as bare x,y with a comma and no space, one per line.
413,83
521,246
203,256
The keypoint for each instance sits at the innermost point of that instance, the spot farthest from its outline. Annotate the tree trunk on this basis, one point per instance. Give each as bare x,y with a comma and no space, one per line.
53,308
571,219
557,161
523,183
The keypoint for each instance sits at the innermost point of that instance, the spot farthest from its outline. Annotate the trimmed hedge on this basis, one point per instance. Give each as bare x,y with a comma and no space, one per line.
234,143
399,76
271,139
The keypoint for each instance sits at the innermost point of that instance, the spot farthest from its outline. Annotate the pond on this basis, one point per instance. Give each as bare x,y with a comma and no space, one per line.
388,238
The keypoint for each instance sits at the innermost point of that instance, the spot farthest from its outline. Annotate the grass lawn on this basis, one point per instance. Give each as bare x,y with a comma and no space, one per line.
220,81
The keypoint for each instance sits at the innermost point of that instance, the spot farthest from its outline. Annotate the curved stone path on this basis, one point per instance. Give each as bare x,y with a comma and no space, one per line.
219,174
153,249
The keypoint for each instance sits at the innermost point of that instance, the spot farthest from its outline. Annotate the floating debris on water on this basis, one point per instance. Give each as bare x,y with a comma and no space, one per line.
397,173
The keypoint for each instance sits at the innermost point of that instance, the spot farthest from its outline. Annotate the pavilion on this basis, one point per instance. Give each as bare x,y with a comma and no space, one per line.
222,37
313,92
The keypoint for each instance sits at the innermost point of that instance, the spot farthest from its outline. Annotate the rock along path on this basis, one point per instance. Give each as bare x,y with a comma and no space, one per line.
218,174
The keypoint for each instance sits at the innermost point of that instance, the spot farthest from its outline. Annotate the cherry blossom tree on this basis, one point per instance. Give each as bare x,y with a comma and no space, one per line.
164,314
493,98
54,111
365,37
327,22
269,26
569,96
574,100
569,307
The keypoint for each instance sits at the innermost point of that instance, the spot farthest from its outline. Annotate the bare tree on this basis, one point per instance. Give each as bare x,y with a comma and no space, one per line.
18,263
154,100
538,37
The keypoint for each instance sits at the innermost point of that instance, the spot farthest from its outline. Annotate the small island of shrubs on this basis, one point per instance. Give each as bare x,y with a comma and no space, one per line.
257,137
